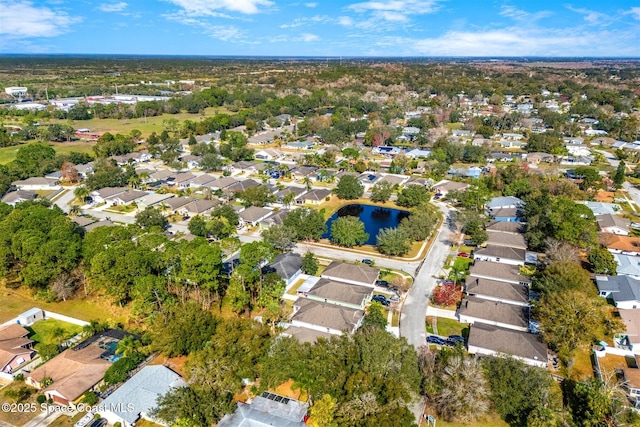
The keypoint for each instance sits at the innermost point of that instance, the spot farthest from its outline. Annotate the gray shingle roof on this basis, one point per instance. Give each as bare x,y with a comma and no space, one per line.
351,272
286,265
501,252
493,311
142,390
501,340
499,238
246,416
327,315
336,291
496,289
622,288
504,202
498,271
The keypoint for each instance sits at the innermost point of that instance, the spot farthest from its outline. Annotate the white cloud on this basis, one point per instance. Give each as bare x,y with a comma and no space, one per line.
395,9
634,12
226,33
311,4
306,37
113,7
523,16
21,19
345,21
519,41
212,7
592,17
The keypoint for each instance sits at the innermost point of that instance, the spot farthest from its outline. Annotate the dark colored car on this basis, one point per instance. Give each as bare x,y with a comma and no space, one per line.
432,339
382,283
367,261
456,338
381,299
100,422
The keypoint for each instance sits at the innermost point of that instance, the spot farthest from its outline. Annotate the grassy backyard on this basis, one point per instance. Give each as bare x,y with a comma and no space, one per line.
446,327
53,331
28,397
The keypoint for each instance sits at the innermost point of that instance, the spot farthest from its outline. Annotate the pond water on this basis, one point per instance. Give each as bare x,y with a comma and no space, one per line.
374,218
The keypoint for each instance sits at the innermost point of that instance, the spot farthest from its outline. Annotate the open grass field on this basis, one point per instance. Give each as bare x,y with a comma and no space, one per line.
8,154
44,331
17,301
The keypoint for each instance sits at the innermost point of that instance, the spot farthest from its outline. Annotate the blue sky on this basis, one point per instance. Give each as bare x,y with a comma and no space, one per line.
322,27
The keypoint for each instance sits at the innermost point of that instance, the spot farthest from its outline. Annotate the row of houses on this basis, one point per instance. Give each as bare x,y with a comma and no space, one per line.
496,303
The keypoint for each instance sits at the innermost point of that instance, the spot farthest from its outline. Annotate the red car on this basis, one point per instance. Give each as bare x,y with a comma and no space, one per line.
463,254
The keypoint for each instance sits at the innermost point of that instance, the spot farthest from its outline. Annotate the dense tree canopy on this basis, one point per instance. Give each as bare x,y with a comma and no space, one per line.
349,188
348,231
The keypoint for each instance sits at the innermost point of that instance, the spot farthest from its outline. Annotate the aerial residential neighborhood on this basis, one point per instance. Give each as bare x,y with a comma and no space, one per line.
235,242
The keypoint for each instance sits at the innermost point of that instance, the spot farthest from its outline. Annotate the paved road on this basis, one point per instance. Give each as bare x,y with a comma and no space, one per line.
414,309
634,193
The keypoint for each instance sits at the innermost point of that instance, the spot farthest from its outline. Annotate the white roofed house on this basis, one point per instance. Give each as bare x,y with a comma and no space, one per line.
126,197
138,396
37,183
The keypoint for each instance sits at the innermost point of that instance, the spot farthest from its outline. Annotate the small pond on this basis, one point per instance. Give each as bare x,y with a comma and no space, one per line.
374,218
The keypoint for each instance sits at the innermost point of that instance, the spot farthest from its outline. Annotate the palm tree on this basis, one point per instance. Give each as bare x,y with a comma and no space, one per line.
74,210
307,182
127,346
134,181
287,199
144,177
58,333
82,193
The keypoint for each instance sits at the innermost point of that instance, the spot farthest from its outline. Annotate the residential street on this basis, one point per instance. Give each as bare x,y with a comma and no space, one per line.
414,309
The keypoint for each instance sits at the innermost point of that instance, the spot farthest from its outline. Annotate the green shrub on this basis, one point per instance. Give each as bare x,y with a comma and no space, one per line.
117,372
41,398
18,377
90,398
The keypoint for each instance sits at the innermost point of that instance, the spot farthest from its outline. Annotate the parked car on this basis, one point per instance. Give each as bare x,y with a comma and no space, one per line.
367,261
382,283
432,339
464,254
456,338
100,422
381,299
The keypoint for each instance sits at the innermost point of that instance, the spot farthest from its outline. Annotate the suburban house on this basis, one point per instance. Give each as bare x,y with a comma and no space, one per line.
175,203
162,176
103,194
444,187
340,293
613,224
136,397
37,183
19,196
506,202
201,180
243,185
500,254
627,265
152,199
73,372
277,217
495,341
325,316
620,244
248,167
287,265
193,162
198,207
268,154
500,272
537,158
266,410
297,192
623,290
602,208
125,197
495,290
630,339
302,172
181,180
473,309
505,227
15,348
315,197
501,238
252,215
356,274
222,183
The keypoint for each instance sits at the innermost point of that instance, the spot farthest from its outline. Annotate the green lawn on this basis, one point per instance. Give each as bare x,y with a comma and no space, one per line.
448,327
8,154
44,331
460,268
16,301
